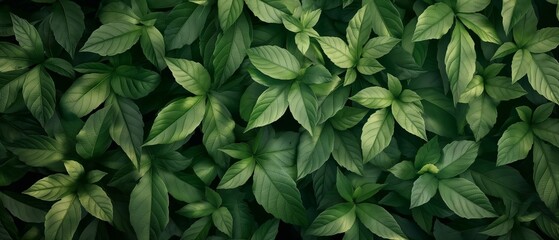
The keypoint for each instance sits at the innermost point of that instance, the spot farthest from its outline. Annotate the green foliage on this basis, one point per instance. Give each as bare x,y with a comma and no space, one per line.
266,119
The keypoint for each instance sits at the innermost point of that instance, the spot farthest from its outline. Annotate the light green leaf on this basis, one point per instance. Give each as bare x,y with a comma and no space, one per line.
347,152
434,22
336,219
230,48
504,50
275,62
183,187
265,11
337,51
394,85
547,130
359,30
266,231
379,46
348,117
403,170
515,143
93,139
96,202
546,173
185,25
369,66
217,126
501,226
377,133
63,218
28,38
457,158
460,61
151,197
303,42
373,97
112,38
482,115
177,120
52,188
502,89
314,150
409,117
545,40
153,46
13,57
191,75
133,82
513,11
223,220
74,169
379,221
39,94
303,105
424,188
228,12
86,93
197,209
238,174
38,151
118,12
471,6
67,24
521,63
481,26
386,18
277,192
238,150
316,74
270,106
94,176
127,128
198,230
543,75
465,199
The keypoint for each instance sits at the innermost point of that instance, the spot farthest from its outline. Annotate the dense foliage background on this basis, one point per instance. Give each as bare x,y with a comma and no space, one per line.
167,119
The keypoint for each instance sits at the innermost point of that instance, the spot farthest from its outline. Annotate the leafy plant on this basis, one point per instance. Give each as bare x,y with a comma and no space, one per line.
164,119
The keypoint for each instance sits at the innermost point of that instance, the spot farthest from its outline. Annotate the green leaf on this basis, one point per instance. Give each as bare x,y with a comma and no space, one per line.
504,50
394,85
409,117
513,11
270,106
52,188
314,150
337,51
429,153
543,75
379,46
515,143
277,192
183,187
424,188
403,170
118,12
60,66
149,195
501,88
373,97
266,231
112,38
217,126
238,174
336,219
127,128
369,66
23,208
457,158
344,187
434,22
267,11
86,93
94,139
465,199
545,40
481,26
379,221
28,38
275,62
74,169
228,12
359,30
303,105
39,94
223,220
63,218
153,46
191,75
546,173
471,6
38,151
67,24
347,117
386,18
521,64
316,74
501,226
197,210
96,202
377,133
185,25
542,112
237,150
460,60
347,152
177,120
547,130
13,57
482,115
198,230
133,82
230,48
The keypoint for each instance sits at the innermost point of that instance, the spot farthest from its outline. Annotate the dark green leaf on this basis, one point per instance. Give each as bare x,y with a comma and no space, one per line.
67,24
465,199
